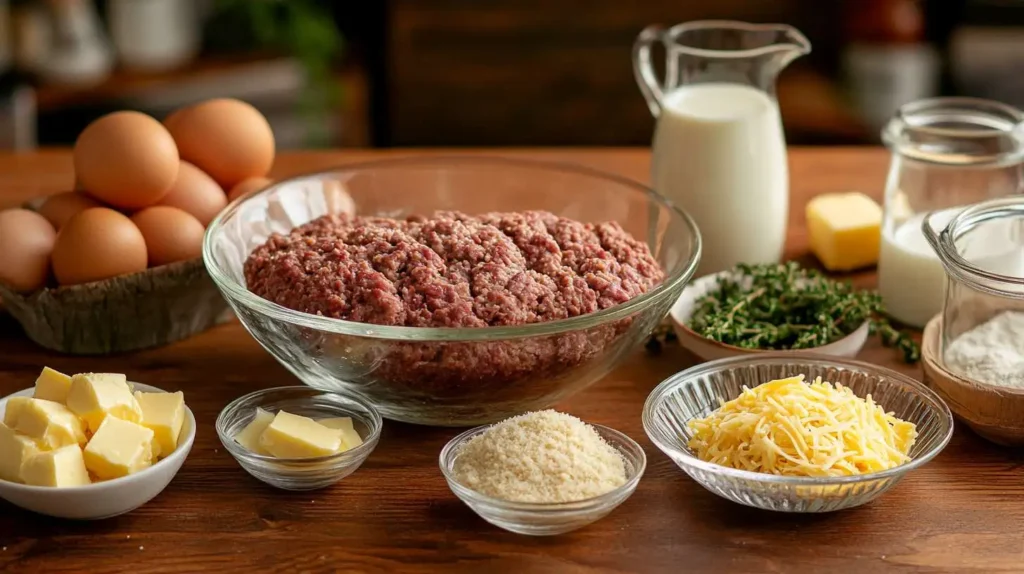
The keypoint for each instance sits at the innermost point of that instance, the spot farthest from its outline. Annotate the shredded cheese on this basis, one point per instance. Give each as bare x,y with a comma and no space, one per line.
790,428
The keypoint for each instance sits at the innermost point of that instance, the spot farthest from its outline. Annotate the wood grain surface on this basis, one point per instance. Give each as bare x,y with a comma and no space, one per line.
962,512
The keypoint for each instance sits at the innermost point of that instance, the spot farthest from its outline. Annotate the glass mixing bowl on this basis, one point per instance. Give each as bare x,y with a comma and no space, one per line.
452,376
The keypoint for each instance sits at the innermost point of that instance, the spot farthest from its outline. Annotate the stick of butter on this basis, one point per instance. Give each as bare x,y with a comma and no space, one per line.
13,408
164,414
349,436
119,448
14,451
94,396
292,436
249,437
50,424
52,386
845,230
62,467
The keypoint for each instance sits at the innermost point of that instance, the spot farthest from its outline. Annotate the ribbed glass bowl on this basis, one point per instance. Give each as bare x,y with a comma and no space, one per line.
300,473
452,376
546,519
696,392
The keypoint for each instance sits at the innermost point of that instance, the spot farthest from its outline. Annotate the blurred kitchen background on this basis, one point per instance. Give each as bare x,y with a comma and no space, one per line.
360,73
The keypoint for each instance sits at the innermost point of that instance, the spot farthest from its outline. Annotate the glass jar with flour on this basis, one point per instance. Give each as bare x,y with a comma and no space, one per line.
947,153
982,251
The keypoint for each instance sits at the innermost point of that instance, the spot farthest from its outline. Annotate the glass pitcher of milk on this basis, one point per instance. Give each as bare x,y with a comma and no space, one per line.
947,154
719,151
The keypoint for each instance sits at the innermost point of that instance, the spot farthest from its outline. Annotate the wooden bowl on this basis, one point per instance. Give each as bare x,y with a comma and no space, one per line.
710,350
147,309
994,413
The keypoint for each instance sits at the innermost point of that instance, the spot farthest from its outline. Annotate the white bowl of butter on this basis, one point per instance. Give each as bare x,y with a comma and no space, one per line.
106,498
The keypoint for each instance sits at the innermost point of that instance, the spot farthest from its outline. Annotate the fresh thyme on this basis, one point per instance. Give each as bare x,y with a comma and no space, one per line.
787,307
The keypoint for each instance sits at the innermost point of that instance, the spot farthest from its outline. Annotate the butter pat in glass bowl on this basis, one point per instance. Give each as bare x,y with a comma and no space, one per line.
107,498
300,473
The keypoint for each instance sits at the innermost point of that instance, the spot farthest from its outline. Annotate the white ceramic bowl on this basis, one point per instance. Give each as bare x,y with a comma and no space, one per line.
102,499
710,350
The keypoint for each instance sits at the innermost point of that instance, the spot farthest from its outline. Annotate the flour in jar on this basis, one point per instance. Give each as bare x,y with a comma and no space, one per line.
992,352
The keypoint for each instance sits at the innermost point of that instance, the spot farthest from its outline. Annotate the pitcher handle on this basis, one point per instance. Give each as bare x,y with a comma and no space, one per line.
643,71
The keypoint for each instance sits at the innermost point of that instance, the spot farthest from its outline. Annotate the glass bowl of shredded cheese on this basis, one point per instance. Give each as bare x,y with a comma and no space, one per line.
543,473
799,433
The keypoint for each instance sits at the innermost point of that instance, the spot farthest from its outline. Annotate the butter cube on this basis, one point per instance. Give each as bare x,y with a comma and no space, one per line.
292,436
95,396
14,451
163,413
50,424
349,437
845,230
13,409
119,448
62,467
52,386
249,437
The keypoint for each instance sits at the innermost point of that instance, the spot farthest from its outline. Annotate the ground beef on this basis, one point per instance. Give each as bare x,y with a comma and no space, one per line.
452,270
456,270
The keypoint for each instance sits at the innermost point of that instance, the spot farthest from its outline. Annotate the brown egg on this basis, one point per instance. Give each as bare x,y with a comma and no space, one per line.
248,186
171,234
126,159
196,193
228,139
59,208
97,244
26,242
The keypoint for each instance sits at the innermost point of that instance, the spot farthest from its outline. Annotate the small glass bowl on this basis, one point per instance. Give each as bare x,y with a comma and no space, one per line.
300,473
547,519
696,392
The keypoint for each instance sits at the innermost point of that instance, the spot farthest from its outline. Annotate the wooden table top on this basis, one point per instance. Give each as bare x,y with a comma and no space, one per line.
963,511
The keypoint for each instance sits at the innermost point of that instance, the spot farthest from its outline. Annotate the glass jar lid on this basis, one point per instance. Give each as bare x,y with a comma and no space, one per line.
957,131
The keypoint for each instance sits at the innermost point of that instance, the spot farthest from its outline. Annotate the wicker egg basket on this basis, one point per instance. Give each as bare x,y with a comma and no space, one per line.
142,310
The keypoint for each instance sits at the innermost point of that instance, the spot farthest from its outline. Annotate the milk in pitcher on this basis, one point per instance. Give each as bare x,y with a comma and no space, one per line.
719,154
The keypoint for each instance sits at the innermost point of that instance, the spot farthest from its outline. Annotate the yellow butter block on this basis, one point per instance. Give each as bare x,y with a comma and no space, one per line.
52,386
845,230
95,396
14,451
249,437
349,436
13,408
62,467
119,448
164,414
292,436
50,424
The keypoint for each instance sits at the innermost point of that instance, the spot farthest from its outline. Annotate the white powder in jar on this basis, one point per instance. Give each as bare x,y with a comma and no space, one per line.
992,352
543,456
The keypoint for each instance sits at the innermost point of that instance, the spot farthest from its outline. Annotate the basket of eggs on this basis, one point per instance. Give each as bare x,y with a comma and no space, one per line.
116,264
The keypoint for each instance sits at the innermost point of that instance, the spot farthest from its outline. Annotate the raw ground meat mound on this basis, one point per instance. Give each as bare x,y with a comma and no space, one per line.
452,270
455,270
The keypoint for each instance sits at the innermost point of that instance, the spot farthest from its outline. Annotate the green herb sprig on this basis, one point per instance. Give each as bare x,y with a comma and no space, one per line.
785,306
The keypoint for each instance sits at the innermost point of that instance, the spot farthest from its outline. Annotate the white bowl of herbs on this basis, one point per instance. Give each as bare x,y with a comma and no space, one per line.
775,308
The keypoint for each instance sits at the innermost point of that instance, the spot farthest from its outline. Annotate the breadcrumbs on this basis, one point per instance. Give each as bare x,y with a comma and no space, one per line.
543,456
